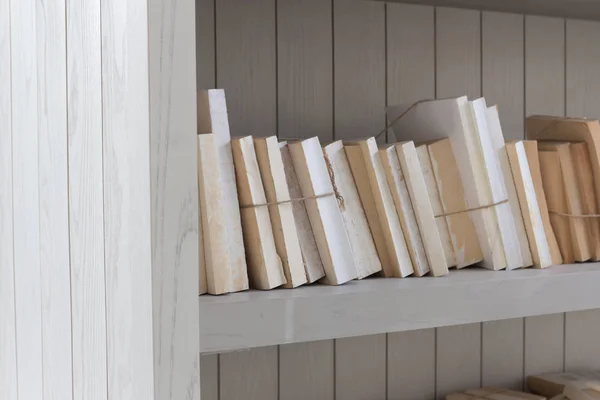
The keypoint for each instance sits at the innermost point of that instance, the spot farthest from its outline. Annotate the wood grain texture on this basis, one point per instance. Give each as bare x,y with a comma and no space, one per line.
502,69
365,379
26,198
205,45
174,198
458,53
54,201
410,54
359,68
458,358
246,64
86,209
502,353
249,374
304,69
8,345
411,365
306,371
582,63
209,367
544,65
544,344
582,349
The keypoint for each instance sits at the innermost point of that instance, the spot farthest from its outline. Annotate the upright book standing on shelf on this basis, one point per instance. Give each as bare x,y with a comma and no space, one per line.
221,221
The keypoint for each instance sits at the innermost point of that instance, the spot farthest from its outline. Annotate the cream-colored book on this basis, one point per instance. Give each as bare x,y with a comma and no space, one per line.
375,195
323,210
264,264
361,241
285,232
308,245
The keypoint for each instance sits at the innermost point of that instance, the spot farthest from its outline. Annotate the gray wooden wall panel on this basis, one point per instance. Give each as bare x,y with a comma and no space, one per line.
246,64
305,69
306,371
359,68
8,346
503,69
582,347
209,367
544,344
205,44
502,353
250,374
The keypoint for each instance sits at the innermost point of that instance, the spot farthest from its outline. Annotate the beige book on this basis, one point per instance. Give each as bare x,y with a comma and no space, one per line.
530,209
552,182
264,265
531,151
492,393
439,158
212,118
375,194
363,248
308,245
323,210
589,203
404,207
553,384
409,161
287,242
579,233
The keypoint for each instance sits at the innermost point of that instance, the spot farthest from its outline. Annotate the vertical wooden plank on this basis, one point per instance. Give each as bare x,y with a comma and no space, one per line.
8,346
249,374
246,64
26,197
86,210
411,365
582,348
174,198
304,69
544,344
544,65
306,371
582,63
205,44
502,69
209,366
458,53
360,367
359,68
410,53
458,358
54,202
502,353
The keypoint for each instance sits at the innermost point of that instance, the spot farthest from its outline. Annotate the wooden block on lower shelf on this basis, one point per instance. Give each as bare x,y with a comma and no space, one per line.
375,195
493,394
323,211
404,207
530,209
287,243
264,265
409,160
355,221
308,245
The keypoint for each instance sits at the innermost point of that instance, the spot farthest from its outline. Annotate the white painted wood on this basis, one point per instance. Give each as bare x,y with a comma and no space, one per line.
86,209
249,374
502,354
502,69
174,195
306,371
246,64
359,68
54,201
582,350
209,367
304,69
368,307
458,358
411,365
365,379
544,344
8,346
205,45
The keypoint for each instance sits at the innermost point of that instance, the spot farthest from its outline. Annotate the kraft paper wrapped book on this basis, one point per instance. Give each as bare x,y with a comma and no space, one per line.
493,394
553,384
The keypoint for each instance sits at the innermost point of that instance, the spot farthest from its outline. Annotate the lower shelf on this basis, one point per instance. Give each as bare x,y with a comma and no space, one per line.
378,305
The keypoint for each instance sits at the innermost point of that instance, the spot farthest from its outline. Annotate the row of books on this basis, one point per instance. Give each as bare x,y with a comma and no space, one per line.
287,213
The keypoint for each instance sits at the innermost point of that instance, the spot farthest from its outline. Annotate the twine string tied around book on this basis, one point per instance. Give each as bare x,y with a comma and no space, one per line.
472,209
392,122
567,215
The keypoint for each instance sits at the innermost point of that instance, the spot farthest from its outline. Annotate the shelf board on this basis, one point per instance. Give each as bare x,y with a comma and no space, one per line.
377,305
580,9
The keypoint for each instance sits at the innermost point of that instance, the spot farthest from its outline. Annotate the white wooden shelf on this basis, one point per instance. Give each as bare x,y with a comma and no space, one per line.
377,305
